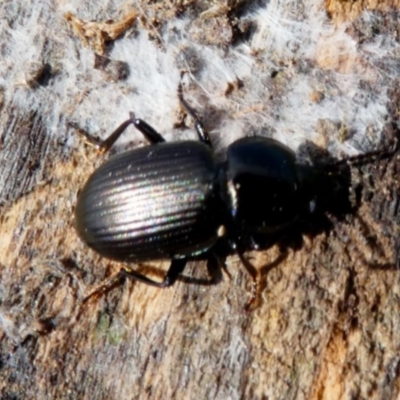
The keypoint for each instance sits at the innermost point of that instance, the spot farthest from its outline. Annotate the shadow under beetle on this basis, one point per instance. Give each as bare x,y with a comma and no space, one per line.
175,201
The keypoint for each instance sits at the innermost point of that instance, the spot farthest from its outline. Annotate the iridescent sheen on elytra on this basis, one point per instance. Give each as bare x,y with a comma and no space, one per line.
155,200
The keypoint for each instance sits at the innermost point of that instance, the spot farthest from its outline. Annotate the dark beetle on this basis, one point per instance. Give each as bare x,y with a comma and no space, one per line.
175,201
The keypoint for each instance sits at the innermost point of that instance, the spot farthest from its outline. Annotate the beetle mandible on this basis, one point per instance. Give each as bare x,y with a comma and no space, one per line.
175,201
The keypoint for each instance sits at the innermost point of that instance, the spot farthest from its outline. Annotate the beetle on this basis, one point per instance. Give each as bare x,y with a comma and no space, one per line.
176,201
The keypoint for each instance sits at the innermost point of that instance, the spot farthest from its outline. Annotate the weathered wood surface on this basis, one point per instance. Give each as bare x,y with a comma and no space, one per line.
328,326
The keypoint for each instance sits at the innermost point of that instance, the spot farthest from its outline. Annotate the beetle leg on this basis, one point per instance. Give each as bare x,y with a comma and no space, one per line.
148,132
222,265
90,140
252,303
107,143
176,267
174,270
365,158
104,287
201,132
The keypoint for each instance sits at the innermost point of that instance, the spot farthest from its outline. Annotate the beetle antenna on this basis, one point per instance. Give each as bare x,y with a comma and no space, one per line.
201,132
366,157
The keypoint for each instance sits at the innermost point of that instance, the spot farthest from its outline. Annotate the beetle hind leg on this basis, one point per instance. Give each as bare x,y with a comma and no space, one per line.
147,131
174,270
104,287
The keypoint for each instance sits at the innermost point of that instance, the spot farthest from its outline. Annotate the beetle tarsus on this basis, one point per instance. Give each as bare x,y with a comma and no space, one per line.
253,302
105,287
255,276
109,142
88,139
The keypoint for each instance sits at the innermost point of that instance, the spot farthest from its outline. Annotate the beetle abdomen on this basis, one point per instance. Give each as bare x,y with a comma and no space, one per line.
153,202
